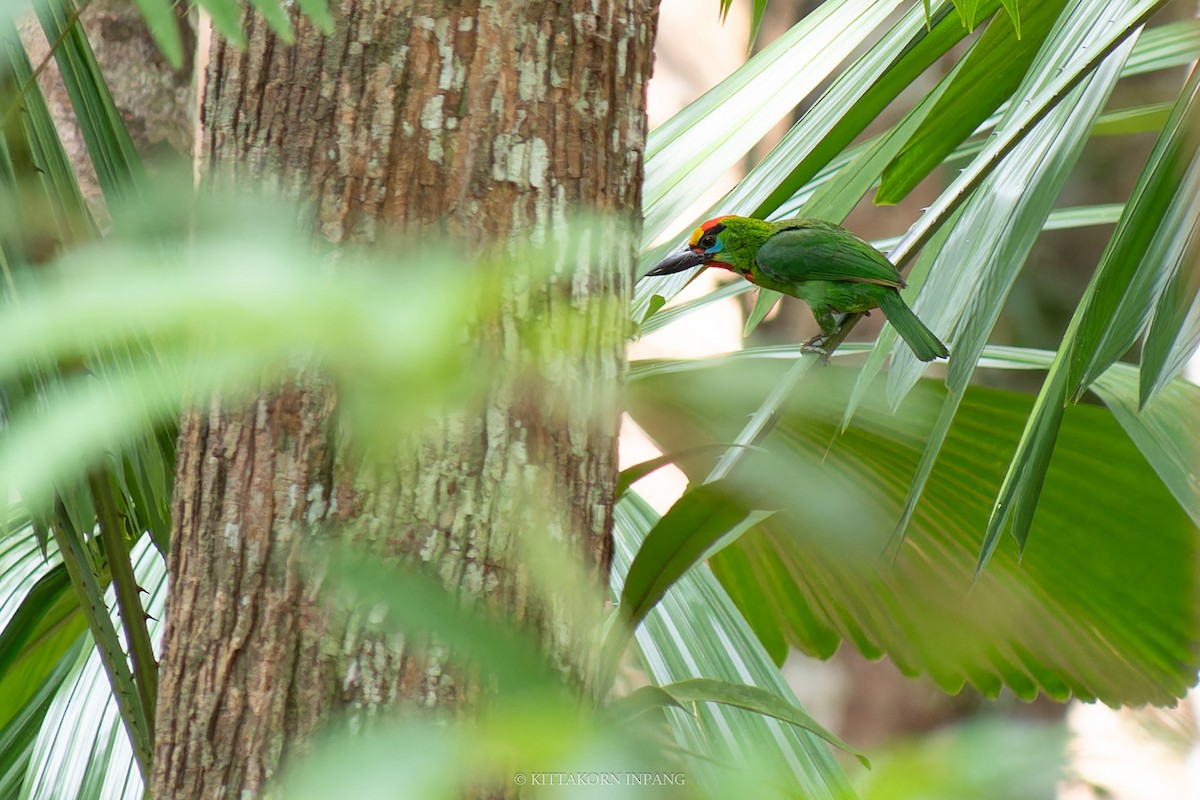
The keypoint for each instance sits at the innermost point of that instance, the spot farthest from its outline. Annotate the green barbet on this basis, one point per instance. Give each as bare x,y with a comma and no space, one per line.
823,264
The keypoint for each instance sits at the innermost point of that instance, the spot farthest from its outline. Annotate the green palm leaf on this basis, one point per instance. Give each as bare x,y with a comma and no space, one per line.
82,750
676,642
1068,618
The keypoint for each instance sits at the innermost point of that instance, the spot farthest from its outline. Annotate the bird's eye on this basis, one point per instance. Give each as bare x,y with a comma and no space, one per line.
708,240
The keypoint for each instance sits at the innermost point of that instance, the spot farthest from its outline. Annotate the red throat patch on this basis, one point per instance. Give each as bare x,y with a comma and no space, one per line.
722,265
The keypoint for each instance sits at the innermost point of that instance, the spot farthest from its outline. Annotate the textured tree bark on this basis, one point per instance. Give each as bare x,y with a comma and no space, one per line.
483,120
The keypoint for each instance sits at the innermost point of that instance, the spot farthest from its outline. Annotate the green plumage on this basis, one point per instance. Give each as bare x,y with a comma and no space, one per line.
823,264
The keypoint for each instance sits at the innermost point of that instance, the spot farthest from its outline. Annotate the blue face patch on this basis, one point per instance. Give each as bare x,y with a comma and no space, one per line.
712,235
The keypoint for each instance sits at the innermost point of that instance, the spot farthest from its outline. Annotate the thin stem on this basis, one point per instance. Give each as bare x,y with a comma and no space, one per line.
129,601
771,411
95,611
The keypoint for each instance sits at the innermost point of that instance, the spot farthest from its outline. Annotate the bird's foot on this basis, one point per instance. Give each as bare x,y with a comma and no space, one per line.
816,345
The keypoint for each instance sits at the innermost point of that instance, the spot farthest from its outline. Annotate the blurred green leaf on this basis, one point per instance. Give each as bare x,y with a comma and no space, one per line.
988,759
695,631
408,756
242,303
42,450
410,753
227,19
764,417
273,12
1054,622
318,12
418,604
164,29
544,749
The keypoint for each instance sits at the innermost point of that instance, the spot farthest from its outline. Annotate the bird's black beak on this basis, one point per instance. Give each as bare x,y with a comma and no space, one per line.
681,259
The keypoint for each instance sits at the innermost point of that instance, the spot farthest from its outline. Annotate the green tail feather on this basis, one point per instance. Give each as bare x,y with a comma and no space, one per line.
924,344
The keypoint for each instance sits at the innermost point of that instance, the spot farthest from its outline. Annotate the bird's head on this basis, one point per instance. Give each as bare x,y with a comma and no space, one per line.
708,246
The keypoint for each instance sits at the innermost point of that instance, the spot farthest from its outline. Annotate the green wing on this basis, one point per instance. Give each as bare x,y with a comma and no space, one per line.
814,250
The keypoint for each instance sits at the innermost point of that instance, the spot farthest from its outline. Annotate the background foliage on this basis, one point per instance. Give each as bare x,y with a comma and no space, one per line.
856,506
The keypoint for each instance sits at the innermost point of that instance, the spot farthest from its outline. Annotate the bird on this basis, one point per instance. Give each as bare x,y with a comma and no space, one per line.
833,271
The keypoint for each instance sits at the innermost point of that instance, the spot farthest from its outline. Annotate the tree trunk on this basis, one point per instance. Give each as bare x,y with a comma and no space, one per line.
485,121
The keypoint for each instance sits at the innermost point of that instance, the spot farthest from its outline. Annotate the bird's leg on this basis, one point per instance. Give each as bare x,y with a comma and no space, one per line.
830,324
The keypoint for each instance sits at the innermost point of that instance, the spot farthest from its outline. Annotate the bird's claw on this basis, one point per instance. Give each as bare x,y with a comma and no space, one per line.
816,345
